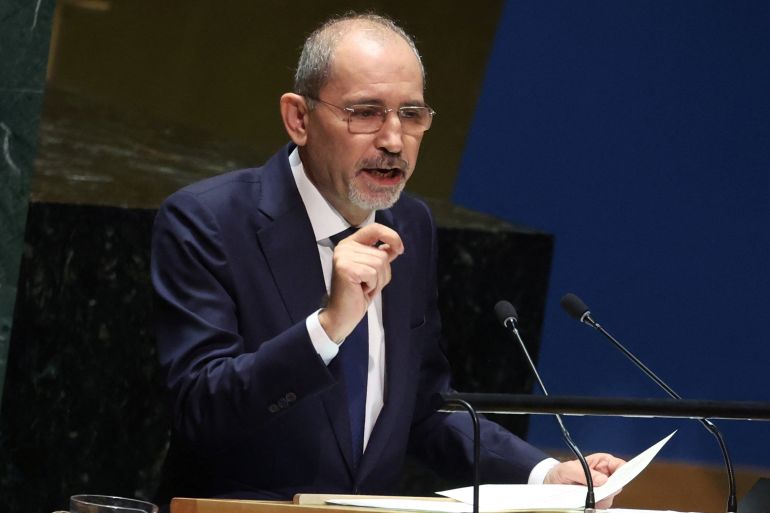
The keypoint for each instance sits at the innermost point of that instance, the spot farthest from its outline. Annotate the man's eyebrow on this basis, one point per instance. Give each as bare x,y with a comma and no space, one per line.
366,101
377,101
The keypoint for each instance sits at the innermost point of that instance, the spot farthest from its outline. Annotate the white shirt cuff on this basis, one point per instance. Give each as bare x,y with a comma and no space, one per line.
538,473
324,346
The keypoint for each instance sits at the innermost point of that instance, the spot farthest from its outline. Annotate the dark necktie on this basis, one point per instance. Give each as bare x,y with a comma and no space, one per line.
354,362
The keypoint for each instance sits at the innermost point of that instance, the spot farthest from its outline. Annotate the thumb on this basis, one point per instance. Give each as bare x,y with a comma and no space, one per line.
379,235
598,478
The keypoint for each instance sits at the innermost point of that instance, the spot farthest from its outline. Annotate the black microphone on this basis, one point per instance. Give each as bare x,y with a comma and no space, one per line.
507,316
577,309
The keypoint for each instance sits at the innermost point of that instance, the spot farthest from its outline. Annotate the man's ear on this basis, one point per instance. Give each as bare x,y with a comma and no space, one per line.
294,114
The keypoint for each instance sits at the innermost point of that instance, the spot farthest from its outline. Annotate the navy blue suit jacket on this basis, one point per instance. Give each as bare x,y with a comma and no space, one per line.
256,412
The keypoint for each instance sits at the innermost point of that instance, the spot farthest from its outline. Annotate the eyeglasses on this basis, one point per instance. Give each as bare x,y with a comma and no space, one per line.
368,119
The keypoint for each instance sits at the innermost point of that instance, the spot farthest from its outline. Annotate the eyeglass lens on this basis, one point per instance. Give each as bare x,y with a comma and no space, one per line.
370,118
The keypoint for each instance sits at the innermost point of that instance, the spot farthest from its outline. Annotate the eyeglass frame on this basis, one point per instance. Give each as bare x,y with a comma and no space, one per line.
350,110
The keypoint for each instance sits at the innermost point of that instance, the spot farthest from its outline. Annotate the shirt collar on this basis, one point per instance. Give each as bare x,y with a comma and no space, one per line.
324,218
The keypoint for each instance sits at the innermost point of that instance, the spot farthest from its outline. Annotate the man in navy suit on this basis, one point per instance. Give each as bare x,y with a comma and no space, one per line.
298,362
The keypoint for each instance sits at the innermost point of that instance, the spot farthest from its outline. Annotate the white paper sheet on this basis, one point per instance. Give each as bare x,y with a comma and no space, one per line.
512,497
428,506
495,498
406,505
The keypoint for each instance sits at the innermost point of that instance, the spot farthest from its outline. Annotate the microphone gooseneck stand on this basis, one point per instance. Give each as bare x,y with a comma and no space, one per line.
476,447
506,314
577,309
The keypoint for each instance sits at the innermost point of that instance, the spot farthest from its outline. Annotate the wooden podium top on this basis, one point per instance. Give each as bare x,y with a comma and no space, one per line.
302,503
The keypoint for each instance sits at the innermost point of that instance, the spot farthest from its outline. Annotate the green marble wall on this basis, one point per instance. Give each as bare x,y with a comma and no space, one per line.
25,28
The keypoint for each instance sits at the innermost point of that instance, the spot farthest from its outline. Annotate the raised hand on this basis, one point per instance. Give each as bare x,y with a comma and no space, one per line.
360,270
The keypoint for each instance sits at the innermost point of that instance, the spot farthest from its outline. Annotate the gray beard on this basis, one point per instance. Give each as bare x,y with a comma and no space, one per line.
374,200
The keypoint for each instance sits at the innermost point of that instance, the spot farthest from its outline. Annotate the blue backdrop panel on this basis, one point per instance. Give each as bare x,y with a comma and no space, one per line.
639,134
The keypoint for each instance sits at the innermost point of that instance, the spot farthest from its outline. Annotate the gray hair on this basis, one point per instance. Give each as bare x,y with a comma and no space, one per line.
315,61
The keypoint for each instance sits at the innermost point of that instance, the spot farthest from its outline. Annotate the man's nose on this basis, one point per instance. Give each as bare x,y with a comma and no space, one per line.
390,135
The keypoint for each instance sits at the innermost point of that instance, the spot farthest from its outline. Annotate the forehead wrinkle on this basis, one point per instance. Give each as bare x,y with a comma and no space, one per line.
371,65
339,31
372,38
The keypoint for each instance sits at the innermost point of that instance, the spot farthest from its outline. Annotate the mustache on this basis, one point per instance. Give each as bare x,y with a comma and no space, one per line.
384,162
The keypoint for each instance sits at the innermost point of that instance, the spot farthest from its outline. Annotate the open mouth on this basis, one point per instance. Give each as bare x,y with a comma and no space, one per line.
385,175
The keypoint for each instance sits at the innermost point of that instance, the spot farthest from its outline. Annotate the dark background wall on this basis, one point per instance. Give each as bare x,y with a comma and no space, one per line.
213,71
639,134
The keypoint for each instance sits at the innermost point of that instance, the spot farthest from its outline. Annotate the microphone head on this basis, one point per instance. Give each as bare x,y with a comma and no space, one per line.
504,311
574,306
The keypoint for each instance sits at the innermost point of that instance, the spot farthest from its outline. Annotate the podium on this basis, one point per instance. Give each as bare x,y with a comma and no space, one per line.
188,505
303,503
505,404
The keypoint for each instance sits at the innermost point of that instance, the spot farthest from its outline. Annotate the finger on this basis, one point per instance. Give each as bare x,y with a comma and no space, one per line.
603,462
601,466
351,254
353,248
383,278
372,278
576,475
615,463
372,234
364,263
598,478
350,247
392,253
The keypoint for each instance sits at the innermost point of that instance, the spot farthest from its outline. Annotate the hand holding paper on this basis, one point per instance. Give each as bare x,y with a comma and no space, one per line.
602,465
512,497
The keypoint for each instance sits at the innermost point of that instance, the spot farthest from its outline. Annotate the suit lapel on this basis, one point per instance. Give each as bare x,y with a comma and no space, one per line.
292,254
288,241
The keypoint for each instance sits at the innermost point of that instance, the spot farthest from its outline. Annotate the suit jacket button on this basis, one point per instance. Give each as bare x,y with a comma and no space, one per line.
291,397
273,408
